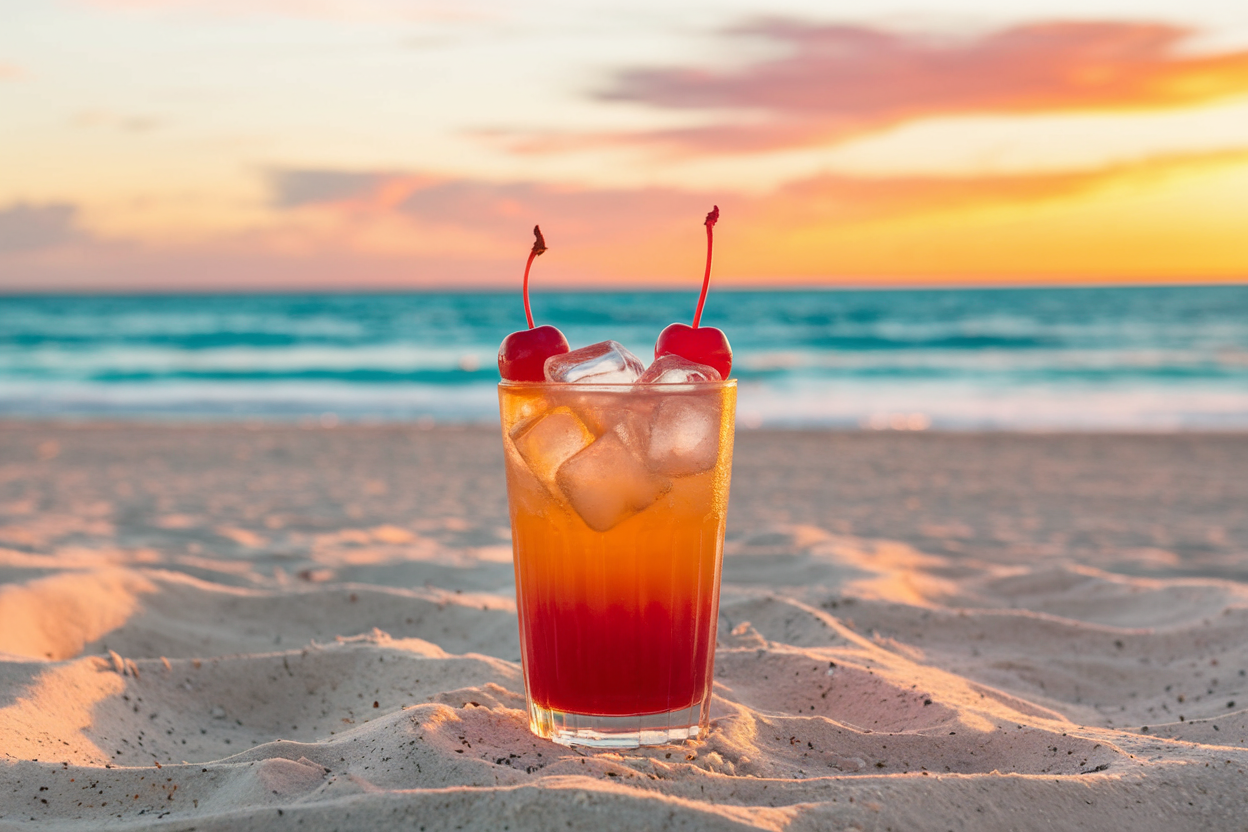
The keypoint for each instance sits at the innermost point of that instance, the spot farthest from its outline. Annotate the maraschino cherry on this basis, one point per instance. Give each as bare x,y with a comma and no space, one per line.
523,354
703,344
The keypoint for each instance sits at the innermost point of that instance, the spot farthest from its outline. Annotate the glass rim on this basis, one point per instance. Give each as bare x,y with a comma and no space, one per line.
666,387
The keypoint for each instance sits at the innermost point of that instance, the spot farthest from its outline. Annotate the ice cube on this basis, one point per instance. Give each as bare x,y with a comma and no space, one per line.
676,369
547,441
684,435
607,483
632,425
603,410
607,362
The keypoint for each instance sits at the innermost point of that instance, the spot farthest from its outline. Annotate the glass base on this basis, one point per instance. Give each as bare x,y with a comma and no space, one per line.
634,731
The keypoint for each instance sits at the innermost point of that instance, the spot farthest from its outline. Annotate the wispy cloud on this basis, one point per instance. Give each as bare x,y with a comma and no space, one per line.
386,228
838,81
831,199
487,207
650,235
587,213
26,227
9,71
295,187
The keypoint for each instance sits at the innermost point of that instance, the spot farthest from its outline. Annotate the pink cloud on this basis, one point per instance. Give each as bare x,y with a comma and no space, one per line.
373,229
27,227
487,207
9,71
838,81
394,229
590,216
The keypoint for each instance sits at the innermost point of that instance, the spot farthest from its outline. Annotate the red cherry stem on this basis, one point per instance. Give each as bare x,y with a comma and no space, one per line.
539,245
711,219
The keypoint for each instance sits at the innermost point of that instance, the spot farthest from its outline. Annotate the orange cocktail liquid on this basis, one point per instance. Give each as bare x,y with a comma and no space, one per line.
617,621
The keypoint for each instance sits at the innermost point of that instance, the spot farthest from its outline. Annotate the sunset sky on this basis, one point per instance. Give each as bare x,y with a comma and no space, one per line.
277,144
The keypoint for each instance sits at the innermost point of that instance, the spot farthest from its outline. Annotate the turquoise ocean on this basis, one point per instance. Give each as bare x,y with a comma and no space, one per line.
1115,358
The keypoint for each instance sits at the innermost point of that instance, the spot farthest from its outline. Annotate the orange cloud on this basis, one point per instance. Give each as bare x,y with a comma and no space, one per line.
588,215
1177,217
1067,224
839,81
838,198
9,71
1172,217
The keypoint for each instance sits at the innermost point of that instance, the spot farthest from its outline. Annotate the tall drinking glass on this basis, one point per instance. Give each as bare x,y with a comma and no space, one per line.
618,496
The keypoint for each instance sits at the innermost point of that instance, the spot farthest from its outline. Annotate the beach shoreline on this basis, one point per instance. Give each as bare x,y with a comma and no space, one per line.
259,626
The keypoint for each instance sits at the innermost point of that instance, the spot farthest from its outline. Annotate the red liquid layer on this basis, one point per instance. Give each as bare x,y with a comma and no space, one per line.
616,632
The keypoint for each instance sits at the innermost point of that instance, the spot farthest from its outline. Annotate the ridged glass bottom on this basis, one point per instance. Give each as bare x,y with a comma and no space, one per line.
632,731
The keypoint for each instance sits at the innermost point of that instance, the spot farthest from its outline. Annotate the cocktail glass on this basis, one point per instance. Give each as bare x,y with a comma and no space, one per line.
618,496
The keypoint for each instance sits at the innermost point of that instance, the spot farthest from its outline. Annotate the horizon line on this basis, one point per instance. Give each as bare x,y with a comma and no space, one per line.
614,288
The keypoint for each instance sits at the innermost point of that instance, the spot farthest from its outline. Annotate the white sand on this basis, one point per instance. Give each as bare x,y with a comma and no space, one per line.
225,628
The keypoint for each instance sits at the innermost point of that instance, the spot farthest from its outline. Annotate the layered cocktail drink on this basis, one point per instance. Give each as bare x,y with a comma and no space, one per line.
617,477
618,497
